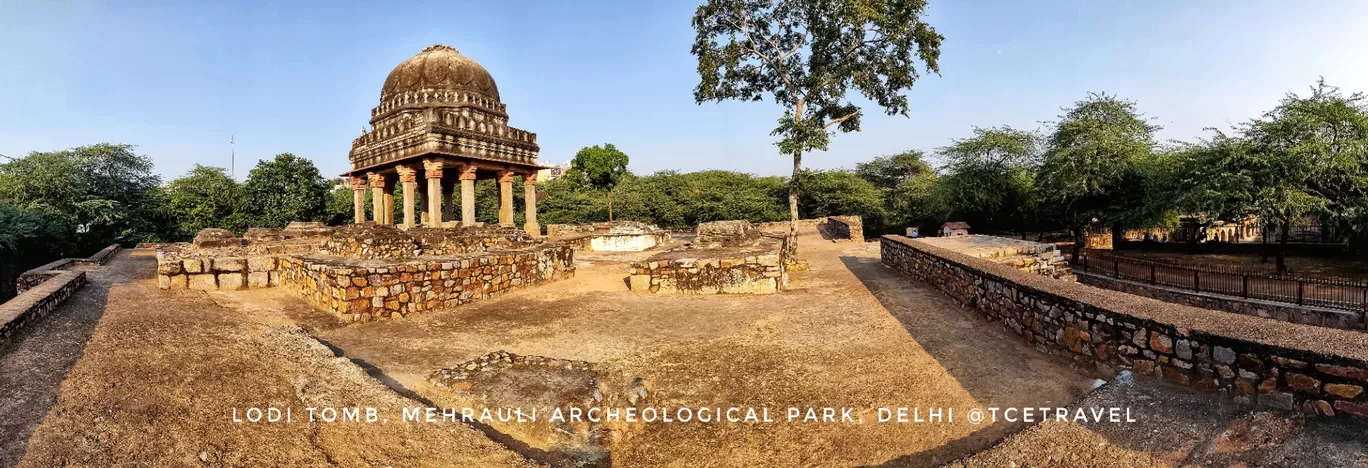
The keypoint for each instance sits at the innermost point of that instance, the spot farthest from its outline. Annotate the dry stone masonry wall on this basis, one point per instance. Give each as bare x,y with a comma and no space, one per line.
367,272
421,284
1250,359
44,288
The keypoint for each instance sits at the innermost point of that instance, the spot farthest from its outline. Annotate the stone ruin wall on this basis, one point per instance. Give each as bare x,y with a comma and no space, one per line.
836,228
419,270
44,288
754,274
418,285
1107,331
371,242
618,236
726,257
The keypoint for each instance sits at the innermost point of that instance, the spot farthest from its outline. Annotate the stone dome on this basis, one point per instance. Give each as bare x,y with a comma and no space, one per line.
439,68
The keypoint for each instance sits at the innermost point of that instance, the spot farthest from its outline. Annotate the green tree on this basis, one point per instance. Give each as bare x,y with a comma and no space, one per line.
837,193
1306,158
284,189
989,179
106,191
203,198
601,167
29,237
1092,160
806,55
907,183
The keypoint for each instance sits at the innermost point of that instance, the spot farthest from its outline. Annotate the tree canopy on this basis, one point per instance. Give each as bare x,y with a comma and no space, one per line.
601,167
284,189
806,56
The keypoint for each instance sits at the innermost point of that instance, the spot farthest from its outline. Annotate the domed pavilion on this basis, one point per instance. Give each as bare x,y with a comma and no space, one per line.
440,115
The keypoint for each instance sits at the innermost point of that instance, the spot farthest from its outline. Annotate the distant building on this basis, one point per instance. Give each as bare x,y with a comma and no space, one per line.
955,228
553,173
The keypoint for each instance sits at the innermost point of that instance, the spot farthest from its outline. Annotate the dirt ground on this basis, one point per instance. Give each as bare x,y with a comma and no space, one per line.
125,373
1177,427
852,333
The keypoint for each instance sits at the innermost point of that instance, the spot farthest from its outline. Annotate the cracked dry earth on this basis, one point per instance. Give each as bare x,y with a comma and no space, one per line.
125,373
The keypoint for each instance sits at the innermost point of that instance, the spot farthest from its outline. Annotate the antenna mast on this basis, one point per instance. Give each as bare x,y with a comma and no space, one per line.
232,159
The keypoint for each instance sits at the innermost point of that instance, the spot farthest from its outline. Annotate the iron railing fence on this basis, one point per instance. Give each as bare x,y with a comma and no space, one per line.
1334,293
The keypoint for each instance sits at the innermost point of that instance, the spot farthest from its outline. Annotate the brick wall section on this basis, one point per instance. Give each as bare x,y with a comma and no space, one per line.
35,303
1318,316
417,285
1251,359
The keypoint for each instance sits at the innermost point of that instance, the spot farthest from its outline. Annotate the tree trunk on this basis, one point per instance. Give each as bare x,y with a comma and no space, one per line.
791,242
1282,249
610,205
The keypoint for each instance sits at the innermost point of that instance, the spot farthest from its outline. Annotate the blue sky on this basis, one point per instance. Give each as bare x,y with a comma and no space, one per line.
178,78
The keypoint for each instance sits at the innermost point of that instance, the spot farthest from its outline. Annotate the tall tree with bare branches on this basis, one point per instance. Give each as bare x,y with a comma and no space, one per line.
806,55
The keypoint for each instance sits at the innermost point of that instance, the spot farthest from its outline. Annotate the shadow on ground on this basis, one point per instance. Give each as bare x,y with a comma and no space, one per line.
36,363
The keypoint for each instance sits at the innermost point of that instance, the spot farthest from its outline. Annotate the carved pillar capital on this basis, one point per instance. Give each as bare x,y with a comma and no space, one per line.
377,180
357,183
407,173
530,179
506,176
432,168
468,172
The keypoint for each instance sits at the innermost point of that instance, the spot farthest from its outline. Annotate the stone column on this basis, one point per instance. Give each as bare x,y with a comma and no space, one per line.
449,199
468,195
506,198
358,197
530,200
432,170
389,200
409,177
377,183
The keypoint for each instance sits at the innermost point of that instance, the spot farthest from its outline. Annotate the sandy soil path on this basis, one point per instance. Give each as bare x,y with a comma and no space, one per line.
127,374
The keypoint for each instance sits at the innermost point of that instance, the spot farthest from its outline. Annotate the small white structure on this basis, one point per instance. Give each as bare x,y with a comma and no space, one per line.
913,232
954,228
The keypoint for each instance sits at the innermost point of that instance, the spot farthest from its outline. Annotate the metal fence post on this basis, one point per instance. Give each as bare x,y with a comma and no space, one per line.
1196,280
1116,268
1244,286
1300,293
1154,279
1085,263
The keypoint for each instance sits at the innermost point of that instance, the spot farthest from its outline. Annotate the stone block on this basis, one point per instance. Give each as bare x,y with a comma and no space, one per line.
1347,392
169,268
1276,400
259,279
261,263
1302,382
639,283
202,282
231,281
1223,355
1355,409
193,265
229,264
1343,371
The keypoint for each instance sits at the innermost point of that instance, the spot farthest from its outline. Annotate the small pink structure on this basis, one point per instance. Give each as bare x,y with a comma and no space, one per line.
954,228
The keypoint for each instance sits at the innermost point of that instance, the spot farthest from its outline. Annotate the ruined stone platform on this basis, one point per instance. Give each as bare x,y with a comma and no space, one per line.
366,272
